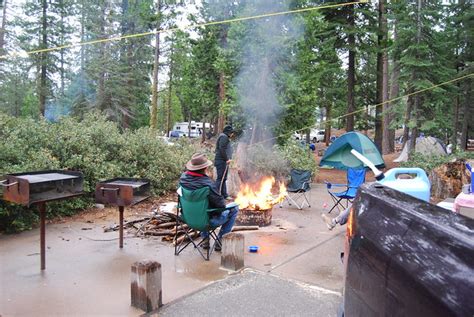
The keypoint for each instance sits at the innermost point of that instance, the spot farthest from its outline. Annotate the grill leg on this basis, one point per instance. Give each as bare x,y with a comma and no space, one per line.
121,208
42,211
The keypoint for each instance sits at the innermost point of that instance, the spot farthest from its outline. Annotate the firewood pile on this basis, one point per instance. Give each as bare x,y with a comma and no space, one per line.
163,224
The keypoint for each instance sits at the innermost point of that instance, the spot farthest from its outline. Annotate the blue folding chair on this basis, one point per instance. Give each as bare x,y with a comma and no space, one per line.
355,178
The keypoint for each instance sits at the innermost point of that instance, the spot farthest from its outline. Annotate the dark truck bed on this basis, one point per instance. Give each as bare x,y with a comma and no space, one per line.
407,257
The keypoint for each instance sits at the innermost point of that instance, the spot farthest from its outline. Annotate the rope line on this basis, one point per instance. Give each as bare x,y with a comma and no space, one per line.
192,26
361,110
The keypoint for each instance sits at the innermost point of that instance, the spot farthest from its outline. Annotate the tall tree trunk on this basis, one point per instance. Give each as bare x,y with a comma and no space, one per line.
100,100
170,90
383,135
221,115
381,52
406,121
156,66
417,98
454,140
467,113
394,92
61,52
42,85
2,28
351,73
327,134
203,135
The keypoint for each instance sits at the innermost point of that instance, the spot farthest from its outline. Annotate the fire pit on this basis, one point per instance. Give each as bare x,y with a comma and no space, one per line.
122,192
249,217
38,188
256,202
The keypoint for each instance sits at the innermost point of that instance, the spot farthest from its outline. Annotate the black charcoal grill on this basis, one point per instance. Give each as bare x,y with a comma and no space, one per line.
122,192
38,188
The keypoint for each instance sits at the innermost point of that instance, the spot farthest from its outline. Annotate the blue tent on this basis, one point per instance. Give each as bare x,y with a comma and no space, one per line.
338,154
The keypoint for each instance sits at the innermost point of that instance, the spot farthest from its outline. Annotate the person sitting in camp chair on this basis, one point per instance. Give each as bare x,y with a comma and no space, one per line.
196,178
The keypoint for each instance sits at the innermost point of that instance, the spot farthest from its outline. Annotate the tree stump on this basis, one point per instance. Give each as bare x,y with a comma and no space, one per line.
146,285
232,257
447,180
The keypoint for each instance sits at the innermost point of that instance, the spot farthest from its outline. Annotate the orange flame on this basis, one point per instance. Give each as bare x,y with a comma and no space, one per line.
259,196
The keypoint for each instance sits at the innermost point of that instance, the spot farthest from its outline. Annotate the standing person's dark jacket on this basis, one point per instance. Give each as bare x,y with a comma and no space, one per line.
192,180
223,146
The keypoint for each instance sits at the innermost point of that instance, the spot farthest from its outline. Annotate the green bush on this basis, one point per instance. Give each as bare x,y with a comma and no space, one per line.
299,157
429,163
94,146
278,160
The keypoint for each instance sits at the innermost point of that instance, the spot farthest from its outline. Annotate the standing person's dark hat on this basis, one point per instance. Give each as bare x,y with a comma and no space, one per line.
228,129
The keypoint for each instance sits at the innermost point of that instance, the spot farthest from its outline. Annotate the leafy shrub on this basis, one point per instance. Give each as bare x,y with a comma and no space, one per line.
94,146
429,163
299,157
278,160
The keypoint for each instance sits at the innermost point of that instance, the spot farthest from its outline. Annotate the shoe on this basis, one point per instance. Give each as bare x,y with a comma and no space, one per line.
205,244
218,247
330,222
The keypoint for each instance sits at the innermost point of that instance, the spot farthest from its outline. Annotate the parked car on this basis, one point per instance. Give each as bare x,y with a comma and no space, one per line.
406,257
177,134
315,135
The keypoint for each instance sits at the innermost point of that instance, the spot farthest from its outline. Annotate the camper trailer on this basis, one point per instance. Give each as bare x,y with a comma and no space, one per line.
194,132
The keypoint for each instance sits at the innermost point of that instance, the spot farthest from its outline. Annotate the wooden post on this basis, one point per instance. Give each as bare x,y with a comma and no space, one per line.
121,208
146,285
42,211
232,257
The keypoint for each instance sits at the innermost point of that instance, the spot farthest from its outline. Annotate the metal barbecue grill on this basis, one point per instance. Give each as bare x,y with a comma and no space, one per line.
122,192
38,188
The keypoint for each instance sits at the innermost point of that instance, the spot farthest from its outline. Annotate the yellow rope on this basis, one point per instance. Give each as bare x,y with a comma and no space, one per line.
360,110
118,38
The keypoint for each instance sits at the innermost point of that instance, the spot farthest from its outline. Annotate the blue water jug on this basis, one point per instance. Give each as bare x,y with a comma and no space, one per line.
419,186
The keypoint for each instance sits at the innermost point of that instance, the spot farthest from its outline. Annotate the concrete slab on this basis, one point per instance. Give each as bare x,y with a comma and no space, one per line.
253,293
87,274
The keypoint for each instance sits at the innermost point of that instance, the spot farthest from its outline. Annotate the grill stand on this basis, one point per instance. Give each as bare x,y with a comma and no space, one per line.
42,212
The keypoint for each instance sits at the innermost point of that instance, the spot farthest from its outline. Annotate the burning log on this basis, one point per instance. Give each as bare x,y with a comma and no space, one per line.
256,202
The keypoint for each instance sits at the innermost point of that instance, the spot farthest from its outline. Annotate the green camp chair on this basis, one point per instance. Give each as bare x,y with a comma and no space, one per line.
193,210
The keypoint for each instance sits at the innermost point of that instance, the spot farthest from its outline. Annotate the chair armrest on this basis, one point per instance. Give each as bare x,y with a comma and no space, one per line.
329,185
211,210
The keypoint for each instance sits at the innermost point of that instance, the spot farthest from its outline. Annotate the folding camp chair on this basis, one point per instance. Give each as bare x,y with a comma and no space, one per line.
299,185
355,178
193,214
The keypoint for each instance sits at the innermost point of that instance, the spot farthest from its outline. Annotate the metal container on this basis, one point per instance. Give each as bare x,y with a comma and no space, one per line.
122,191
41,186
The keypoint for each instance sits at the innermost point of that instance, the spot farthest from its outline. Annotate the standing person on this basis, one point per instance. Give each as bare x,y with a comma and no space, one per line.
223,158
195,178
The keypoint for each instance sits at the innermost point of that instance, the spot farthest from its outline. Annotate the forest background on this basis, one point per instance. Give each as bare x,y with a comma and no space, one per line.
373,66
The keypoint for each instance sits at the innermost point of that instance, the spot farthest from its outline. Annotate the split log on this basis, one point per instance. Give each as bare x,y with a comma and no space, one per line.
244,228
180,239
166,225
126,224
160,233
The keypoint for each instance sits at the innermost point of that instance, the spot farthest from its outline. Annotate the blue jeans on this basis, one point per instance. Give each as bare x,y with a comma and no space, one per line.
226,220
221,177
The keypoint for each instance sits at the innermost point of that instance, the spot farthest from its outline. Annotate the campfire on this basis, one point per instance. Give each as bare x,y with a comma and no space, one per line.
256,201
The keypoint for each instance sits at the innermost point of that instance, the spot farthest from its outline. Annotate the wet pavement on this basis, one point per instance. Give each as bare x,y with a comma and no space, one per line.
87,274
